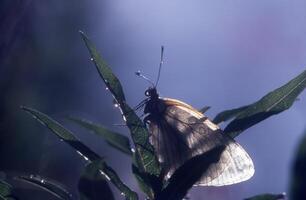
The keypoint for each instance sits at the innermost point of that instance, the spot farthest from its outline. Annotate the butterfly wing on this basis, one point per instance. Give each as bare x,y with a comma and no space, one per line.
182,132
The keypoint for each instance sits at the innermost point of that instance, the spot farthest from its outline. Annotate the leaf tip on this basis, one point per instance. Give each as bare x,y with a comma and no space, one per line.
27,109
83,35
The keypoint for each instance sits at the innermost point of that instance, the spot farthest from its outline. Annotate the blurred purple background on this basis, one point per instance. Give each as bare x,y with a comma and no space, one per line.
224,54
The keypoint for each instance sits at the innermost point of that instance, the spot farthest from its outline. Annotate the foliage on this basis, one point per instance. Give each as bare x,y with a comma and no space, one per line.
268,197
116,140
48,185
271,104
94,181
298,182
5,190
92,185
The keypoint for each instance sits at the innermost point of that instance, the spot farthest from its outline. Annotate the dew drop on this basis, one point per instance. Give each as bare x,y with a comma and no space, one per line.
82,156
106,88
91,59
124,118
115,103
42,181
107,177
133,150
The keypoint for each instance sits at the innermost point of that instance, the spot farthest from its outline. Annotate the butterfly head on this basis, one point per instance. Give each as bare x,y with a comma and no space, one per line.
151,92
154,105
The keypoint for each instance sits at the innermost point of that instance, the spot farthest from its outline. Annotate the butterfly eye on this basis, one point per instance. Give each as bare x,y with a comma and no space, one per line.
147,93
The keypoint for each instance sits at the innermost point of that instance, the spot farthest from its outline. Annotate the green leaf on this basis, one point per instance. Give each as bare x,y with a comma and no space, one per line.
105,72
189,173
83,150
140,138
93,186
5,189
48,185
271,104
112,176
139,133
143,183
229,114
116,140
148,183
204,109
268,197
298,178
64,134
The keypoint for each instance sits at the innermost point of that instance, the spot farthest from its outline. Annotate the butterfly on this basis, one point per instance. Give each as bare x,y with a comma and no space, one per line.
179,132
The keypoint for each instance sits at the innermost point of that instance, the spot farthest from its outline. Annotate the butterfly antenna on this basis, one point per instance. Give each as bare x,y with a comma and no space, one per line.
160,65
138,73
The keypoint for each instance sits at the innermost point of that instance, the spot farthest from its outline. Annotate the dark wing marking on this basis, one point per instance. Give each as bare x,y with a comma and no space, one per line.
170,148
183,132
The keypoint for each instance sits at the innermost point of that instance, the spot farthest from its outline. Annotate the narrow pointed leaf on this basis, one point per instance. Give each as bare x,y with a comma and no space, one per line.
116,140
268,197
204,109
93,186
189,173
83,150
5,189
64,134
298,177
142,182
112,176
105,72
148,183
229,114
48,185
140,138
271,104
138,130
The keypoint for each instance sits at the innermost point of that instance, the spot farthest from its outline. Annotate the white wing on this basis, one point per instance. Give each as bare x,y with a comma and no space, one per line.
183,132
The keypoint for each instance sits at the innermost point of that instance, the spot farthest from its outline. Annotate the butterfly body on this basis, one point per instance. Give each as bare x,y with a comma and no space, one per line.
179,132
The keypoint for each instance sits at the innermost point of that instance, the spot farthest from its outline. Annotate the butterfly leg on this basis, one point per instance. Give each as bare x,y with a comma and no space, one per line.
147,119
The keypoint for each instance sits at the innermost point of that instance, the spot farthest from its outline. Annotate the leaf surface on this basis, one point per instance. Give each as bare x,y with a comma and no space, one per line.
116,140
5,189
273,103
298,177
66,136
268,197
48,185
92,185
139,133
